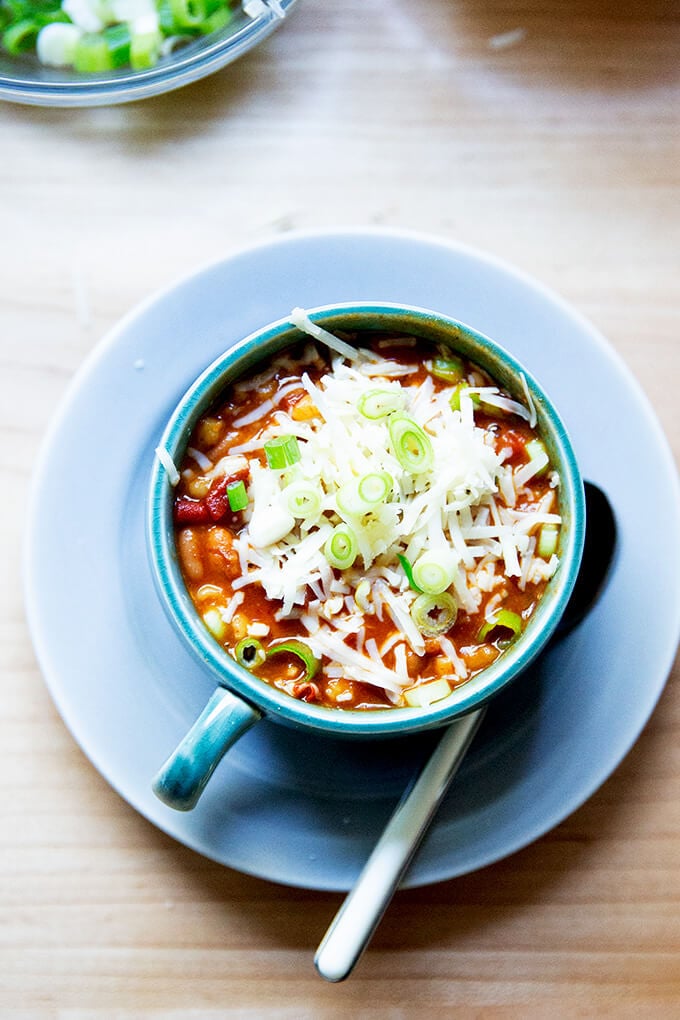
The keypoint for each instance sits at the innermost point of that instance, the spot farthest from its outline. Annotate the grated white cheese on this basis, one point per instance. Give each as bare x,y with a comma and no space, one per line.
237,599
469,474
402,620
229,465
401,664
247,419
203,462
363,667
466,509
168,464
492,398
299,318
528,471
449,651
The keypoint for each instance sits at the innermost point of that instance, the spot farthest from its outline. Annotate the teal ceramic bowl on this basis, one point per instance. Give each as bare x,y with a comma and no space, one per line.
240,698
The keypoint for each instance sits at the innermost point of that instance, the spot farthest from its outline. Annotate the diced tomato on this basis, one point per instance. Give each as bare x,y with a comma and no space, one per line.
217,500
509,437
238,476
212,507
306,691
190,511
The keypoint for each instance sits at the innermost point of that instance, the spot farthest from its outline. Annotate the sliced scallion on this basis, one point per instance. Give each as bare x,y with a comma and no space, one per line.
56,44
237,496
375,404
218,20
188,13
374,487
458,391
434,614
301,651
426,694
145,49
166,18
282,452
408,570
537,453
92,54
127,37
410,445
341,547
303,500
118,41
21,36
250,653
547,541
502,619
363,495
450,369
433,572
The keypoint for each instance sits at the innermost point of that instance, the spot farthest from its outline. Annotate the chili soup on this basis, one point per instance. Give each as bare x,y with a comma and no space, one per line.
369,522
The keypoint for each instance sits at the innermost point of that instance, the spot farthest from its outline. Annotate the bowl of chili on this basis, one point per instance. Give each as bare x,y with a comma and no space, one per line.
364,520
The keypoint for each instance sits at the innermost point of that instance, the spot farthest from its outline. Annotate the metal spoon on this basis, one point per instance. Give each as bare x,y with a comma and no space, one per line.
353,926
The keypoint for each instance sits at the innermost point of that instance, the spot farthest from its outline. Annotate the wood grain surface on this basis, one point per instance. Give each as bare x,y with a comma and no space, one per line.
557,148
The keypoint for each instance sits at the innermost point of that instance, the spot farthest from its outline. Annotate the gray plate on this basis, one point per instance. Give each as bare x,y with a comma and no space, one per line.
306,811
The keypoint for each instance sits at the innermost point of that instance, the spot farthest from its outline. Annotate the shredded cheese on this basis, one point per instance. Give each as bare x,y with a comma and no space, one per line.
203,462
168,464
299,318
469,508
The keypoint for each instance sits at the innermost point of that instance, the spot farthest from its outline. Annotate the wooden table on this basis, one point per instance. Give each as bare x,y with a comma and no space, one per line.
546,134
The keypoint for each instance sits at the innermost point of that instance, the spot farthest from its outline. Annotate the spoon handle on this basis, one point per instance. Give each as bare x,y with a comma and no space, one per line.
359,916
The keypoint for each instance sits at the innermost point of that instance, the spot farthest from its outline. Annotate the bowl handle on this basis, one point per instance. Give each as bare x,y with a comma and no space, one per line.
182,779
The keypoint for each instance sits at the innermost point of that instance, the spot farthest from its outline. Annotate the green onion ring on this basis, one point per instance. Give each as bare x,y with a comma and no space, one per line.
301,651
449,369
363,495
302,499
375,404
21,36
457,392
249,653
434,614
410,445
375,487
433,572
503,619
341,548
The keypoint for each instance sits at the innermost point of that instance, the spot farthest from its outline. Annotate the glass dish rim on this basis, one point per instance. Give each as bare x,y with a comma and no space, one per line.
186,65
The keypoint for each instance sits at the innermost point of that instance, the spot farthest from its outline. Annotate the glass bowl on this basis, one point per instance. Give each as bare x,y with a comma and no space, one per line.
25,80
